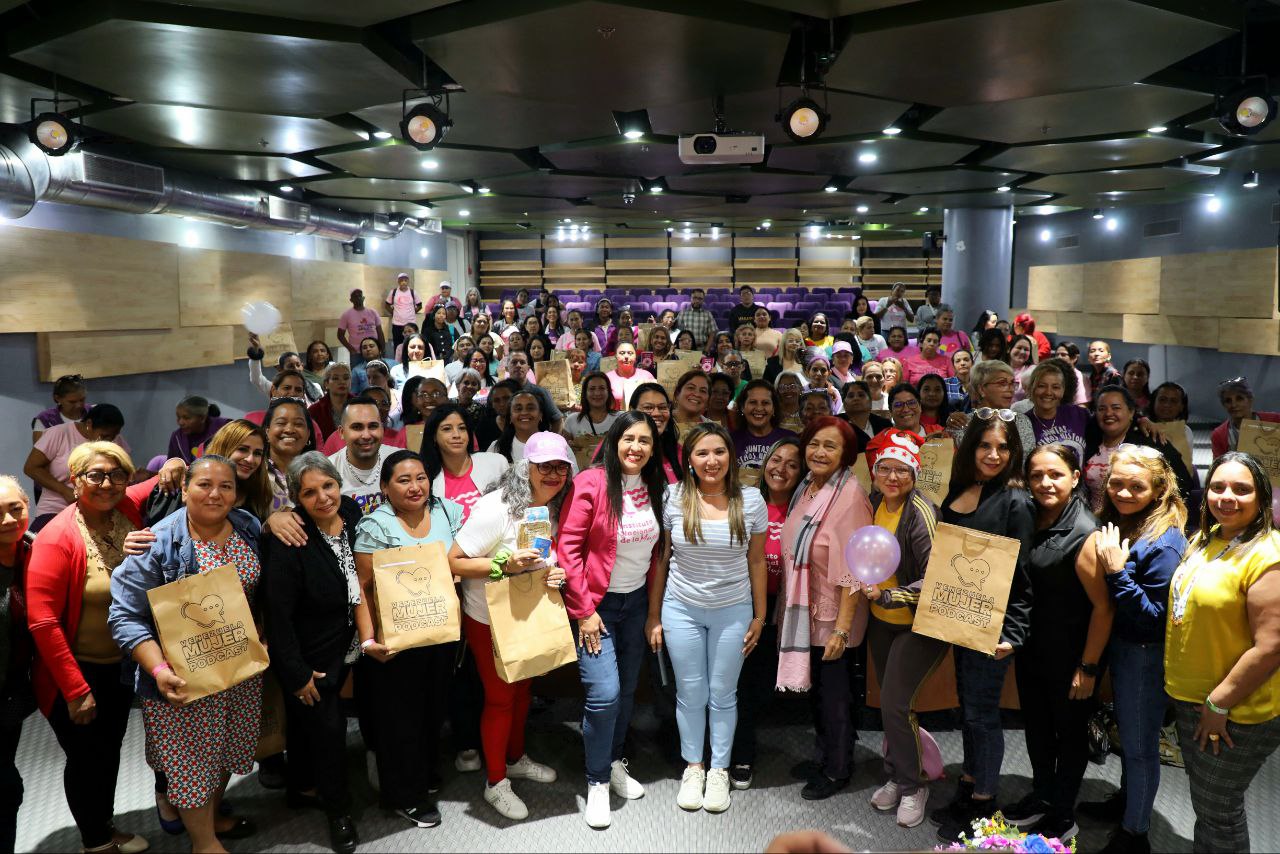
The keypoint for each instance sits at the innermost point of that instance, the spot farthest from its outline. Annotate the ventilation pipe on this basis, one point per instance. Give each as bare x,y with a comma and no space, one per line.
28,176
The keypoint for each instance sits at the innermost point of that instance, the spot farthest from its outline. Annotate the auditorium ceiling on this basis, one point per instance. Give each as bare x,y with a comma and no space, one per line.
1051,103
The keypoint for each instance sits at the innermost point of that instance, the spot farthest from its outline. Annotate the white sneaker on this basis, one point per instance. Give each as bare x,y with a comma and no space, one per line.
371,769
622,783
887,796
525,768
467,760
716,798
691,783
506,801
597,814
911,809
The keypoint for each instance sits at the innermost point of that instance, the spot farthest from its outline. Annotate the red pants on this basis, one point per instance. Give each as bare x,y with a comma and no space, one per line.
506,706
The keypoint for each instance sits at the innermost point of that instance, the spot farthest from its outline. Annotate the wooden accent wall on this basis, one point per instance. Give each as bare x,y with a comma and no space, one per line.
107,306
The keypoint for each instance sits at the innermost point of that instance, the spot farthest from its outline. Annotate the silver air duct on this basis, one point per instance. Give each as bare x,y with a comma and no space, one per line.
28,175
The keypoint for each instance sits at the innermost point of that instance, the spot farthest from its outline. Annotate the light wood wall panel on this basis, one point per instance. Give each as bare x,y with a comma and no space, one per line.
518,243
1249,335
378,282
60,281
1090,325
766,242
1167,329
631,242
322,289
213,285
108,354
282,340
1241,283
426,284
1131,286
1058,287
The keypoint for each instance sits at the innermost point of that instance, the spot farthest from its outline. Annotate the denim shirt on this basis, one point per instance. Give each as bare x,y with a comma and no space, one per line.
171,556
1141,589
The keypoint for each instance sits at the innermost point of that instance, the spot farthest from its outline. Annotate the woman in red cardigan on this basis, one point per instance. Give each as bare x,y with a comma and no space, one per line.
1236,397
76,668
15,650
610,526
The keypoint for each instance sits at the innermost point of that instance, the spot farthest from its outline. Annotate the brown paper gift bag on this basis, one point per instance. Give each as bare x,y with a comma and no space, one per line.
862,473
416,602
1176,433
428,368
584,448
413,437
271,736
935,468
556,377
1261,440
966,587
530,627
206,631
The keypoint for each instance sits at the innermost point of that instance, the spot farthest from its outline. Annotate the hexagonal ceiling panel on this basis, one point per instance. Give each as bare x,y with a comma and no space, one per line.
620,57
408,163
360,14
1118,180
1039,49
744,181
239,167
1266,156
381,188
515,207
934,181
553,184
1098,154
506,121
382,206
1116,109
627,157
870,157
15,99
165,125
648,203
250,72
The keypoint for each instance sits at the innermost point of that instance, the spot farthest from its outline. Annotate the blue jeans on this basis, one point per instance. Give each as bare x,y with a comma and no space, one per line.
609,679
706,652
1137,674
979,681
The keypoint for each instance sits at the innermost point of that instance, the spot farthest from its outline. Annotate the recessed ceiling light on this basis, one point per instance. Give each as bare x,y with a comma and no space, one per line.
1045,234
375,243
299,251
634,134
1213,205
1157,129
286,188
830,188
424,252
464,213
924,210
430,163
1112,223
862,208
867,157
1003,189
484,191
1097,213
381,134
655,189
892,131
1250,180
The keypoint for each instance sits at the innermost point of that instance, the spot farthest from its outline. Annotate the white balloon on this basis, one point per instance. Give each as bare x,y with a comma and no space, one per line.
260,318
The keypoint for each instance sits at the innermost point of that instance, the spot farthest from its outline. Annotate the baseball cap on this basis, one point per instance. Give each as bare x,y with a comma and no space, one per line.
841,347
402,276
446,284
545,447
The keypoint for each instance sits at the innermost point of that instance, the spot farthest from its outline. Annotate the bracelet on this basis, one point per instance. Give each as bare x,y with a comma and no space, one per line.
1214,707
155,671
759,620
842,634
497,566
365,644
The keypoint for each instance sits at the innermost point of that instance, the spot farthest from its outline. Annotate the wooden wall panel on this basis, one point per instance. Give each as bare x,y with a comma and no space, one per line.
426,284
1089,325
378,282
1167,329
1056,288
1209,284
632,242
518,243
60,281
106,354
283,340
1249,335
766,242
213,285
1131,286
322,289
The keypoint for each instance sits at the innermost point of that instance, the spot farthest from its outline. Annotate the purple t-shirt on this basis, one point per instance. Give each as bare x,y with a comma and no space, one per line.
752,449
1067,427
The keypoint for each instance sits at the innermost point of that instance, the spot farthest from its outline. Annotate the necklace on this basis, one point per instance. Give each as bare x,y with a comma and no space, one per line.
710,494
361,476
1184,581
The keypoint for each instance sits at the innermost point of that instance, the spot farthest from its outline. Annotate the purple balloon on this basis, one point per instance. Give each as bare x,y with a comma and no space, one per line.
1275,507
872,554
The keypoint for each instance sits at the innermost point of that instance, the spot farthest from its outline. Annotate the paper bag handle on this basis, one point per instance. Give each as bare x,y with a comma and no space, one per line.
974,543
529,576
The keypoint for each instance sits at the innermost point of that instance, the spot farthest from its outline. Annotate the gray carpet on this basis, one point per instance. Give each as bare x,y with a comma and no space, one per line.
654,823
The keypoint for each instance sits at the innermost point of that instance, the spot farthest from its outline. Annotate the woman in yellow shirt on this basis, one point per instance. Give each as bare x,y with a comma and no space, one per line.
1222,649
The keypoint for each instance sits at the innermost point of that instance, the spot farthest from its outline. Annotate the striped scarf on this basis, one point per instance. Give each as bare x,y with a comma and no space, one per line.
793,638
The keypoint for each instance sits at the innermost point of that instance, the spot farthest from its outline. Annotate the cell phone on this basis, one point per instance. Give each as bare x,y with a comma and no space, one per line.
542,545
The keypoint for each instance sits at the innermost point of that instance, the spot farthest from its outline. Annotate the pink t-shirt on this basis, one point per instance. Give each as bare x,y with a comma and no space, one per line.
359,324
917,367
620,384
403,306
952,341
461,490
773,546
57,443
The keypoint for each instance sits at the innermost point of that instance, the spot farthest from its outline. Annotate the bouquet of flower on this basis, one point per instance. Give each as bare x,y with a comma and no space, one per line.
994,832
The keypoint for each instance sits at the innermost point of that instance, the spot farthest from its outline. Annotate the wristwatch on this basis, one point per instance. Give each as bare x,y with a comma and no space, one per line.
1090,670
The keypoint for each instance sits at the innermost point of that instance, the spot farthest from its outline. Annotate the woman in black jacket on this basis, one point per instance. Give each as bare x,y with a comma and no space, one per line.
987,495
903,659
312,606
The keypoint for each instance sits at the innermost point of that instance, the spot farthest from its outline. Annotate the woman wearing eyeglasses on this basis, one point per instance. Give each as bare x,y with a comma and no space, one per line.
903,659
1114,424
652,400
487,547
991,386
987,494
1220,657
76,669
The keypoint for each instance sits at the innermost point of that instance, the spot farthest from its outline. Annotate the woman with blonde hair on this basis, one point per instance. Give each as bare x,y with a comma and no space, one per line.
790,355
893,371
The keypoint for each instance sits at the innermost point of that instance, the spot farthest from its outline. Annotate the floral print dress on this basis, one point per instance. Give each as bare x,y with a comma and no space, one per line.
197,745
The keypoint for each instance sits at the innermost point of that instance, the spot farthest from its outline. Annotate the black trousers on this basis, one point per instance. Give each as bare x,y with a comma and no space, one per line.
11,790
316,740
756,686
831,698
93,752
1056,728
401,709
466,700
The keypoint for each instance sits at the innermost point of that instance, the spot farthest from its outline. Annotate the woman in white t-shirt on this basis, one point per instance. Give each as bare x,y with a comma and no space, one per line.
609,532
486,548
707,603
599,408
525,417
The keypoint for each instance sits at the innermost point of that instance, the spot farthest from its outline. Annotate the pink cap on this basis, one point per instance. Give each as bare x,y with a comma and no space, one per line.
545,447
840,347
402,276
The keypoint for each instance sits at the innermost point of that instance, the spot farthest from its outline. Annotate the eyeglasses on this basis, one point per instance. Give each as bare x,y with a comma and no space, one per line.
553,468
733,364
893,471
1007,382
651,408
424,392
118,477
906,404
986,413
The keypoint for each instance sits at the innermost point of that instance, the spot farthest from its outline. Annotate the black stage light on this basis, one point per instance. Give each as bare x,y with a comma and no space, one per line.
803,119
53,133
1247,110
424,126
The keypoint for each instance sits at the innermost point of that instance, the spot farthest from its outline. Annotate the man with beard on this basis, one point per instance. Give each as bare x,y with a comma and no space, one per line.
360,462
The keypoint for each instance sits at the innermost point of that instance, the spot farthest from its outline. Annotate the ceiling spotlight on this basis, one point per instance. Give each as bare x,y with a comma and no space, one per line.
1097,213
424,252
1213,205
670,229
1247,110
1045,234
655,188
767,224
464,213
286,188
1003,189
1157,129
484,191
381,134
431,163
715,232
1251,180
425,125
924,210
1112,223
862,209
891,131
632,124
633,134
815,231
803,119
867,157
52,133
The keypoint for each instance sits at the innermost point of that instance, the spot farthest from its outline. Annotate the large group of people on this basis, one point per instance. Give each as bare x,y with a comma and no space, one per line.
699,518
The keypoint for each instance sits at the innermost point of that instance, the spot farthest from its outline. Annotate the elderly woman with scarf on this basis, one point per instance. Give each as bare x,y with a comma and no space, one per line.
820,617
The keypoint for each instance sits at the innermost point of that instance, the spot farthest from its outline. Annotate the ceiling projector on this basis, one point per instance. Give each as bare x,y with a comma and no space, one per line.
703,149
